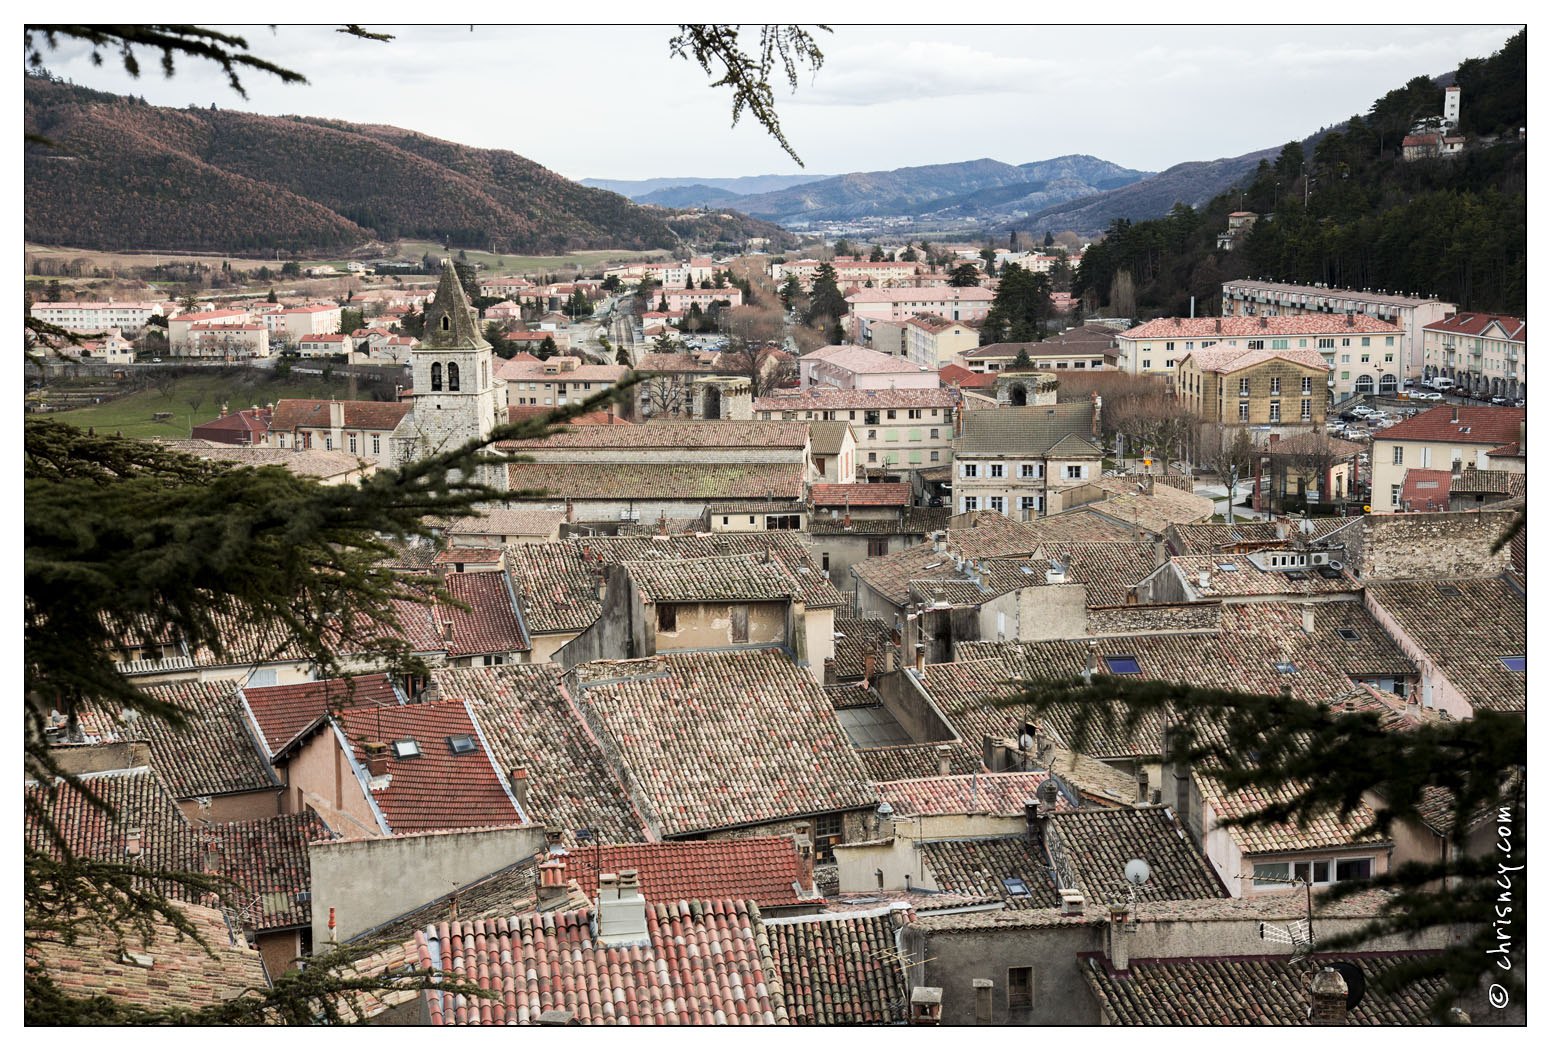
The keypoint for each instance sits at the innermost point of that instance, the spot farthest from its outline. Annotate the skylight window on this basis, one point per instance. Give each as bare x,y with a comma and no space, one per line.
406,748
1448,591
1286,667
1512,663
1122,665
1228,567
1016,887
461,744
1348,634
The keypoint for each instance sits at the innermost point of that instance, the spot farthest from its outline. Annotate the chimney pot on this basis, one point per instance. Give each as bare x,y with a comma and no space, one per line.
869,667
1327,998
944,759
520,786
1308,620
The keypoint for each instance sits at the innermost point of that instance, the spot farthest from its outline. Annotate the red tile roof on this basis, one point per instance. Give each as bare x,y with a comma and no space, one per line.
1514,328
293,413
1476,425
762,869
1003,793
1425,490
279,713
490,623
704,963
842,970
435,789
959,376
1251,327
267,858
861,494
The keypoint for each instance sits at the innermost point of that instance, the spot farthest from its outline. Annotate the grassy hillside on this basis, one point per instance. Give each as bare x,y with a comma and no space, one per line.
238,388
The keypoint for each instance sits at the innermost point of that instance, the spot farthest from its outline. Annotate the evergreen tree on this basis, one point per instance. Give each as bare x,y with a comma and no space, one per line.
1020,309
547,348
965,275
272,298
791,291
877,255
826,300
1050,239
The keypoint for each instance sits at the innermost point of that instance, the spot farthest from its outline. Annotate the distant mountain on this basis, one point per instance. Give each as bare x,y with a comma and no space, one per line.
117,173
695,196
638,189
917,191
1194,183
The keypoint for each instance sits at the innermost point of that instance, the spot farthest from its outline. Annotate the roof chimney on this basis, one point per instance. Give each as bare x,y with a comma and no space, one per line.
1327,998
926,1004
133,846
802,842
622,917
376,758
1219,325
1160,553
552,888
446,631
520,786
1072,903
1120,938
1308,620
869,668
944,760
1454,416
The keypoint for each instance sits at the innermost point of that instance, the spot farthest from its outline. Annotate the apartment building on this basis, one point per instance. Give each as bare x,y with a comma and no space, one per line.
1275,299
896,431
857,368
897,304
1479,352
1362,352
1279,390
97,316
557,380
1016,461
1446,438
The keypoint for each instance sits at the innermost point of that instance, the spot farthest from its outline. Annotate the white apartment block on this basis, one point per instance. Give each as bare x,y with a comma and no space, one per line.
80,316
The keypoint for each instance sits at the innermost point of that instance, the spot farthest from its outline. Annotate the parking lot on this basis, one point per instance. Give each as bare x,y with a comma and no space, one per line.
1375,412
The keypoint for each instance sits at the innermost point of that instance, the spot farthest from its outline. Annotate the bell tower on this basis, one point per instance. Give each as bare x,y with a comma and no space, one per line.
457,394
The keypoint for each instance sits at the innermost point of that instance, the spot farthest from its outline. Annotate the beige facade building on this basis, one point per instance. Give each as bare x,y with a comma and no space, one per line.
1282,390
896,431
1276,299
1446,438
1016,461
1479,352
555,381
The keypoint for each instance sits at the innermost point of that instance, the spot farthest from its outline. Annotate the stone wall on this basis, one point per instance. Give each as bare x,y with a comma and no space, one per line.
1435,544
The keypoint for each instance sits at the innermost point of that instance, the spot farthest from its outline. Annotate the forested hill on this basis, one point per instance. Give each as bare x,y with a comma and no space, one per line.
118,173
1365,218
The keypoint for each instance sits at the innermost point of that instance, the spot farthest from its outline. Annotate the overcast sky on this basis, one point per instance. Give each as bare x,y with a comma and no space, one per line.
609,102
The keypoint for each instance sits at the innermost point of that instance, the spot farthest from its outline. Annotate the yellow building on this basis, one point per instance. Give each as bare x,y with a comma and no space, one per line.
1280,389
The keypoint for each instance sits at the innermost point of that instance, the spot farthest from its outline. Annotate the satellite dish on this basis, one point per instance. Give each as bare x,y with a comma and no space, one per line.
1356,984
1138,871
128,716
1025,743
1048,792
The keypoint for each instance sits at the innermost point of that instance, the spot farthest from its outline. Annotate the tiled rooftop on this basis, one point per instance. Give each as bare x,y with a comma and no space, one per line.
528,722
816,399
509,521
279,713
1209,538
1010,868
267,858
558,581
855,639
181,974
436,789
975,793
678,434
1467,324
211,754
905,762
1028,431
1489,425
1154,511
655,481
761,869
718,740
1245,578
861,494
1248,990
1098,843
705,963
293,413
723,578
842,970
138,800
1464,628
860,360
1252,327
490,623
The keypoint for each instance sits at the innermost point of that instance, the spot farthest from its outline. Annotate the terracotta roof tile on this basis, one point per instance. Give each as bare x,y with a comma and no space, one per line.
1489,425
704,963
490,625
138,800
761,869
1012,869
267,858
723,739
1003,793
916,761
1464,628
1252,327
823,398
729,578
855,639
528,722
279,713
1249,990
212,754
861,494
671,434
1513,328
436,789
1098,843
640,481
843,970
509,521
293,413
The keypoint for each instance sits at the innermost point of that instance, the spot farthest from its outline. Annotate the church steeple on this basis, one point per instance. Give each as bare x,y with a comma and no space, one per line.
450,319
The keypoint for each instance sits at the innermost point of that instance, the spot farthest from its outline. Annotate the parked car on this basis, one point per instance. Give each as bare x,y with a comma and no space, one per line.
1519,404
1499,400
1427,395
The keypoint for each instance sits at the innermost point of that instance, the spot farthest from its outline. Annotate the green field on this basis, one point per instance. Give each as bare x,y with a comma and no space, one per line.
239,388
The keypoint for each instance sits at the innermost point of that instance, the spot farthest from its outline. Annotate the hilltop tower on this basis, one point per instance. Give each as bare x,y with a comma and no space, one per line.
1451,106
457,394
